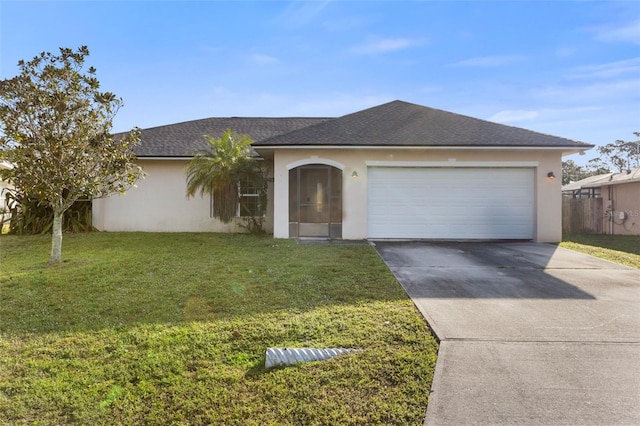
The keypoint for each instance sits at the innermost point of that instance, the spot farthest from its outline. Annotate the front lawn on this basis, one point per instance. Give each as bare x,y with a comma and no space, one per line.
172,329
623,249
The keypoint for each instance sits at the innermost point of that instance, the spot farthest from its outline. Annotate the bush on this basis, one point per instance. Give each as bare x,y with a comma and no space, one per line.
27,216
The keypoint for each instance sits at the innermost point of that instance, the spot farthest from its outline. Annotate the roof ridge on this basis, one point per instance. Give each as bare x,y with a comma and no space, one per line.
185,138
401,123
488,121
233,118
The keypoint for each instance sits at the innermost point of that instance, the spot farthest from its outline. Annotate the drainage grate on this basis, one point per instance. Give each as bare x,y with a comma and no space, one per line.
288,356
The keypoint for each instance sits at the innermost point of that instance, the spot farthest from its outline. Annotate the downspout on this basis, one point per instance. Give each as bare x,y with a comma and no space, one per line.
611,224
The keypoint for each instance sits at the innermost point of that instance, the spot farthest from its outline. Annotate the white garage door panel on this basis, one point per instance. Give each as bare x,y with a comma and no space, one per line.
470,203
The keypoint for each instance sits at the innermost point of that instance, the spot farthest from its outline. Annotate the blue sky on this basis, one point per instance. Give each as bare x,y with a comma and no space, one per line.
566,68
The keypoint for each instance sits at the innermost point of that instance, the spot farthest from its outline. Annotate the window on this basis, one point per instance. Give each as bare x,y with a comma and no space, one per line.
251,200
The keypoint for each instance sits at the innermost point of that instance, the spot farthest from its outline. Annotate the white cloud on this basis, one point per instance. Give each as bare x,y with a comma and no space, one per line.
513,116
262,59
627,33
489,61
347,23
565,52
592,124
210,49
568,114
300,13
619,90
608,70
221,101
427,90
376,45
333,104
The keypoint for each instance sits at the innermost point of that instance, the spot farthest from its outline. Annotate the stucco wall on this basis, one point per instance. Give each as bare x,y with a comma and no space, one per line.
622,198
4,186
548,226
158,204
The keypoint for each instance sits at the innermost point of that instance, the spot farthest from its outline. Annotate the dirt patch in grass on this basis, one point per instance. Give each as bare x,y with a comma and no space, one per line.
197,308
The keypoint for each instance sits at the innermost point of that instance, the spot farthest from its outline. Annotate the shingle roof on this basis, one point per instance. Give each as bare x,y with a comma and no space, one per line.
395,123
572,186
633,175
184,139
400,123
605,179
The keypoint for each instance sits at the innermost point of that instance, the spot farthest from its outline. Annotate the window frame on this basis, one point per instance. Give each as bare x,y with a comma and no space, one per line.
251,192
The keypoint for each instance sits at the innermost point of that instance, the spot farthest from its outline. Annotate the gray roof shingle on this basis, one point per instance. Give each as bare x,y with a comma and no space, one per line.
185,139
401,123
395,123
629,176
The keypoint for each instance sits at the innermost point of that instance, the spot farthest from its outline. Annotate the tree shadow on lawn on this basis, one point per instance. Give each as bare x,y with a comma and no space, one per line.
89,293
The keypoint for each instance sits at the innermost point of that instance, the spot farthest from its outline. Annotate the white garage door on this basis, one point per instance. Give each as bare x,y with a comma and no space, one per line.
458,203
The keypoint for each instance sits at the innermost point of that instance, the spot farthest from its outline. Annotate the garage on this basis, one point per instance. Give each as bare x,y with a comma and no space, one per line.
450,203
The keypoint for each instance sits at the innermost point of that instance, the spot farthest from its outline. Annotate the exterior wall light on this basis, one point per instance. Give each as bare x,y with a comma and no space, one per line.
354,174
550,175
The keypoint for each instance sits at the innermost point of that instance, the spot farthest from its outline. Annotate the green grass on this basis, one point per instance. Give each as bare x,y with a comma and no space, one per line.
172,329
621,249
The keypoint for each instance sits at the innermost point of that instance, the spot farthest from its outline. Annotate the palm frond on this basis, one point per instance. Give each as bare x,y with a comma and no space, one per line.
218,171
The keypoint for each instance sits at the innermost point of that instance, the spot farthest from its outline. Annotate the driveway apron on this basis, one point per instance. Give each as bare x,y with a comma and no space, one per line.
529,333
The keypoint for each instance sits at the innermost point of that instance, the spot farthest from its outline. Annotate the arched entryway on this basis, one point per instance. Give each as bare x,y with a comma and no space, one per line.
315,201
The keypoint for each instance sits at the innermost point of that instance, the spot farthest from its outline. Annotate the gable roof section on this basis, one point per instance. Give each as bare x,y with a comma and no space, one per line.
394,124
400,124
185,139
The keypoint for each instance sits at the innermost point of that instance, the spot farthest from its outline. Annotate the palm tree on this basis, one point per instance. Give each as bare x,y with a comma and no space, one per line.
220,170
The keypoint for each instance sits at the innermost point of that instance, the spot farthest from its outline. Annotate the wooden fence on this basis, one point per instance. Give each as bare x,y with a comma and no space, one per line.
582,216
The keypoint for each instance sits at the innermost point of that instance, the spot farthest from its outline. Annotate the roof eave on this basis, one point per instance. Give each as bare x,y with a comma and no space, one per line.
610,183
162,157
170,157
566,150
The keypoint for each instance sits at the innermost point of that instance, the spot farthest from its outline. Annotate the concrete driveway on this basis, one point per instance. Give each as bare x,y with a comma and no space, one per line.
530,333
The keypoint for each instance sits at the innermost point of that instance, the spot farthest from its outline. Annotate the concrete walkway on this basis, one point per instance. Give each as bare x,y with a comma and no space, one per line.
531,334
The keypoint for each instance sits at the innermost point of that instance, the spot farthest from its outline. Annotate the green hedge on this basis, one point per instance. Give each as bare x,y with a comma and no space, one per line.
27,216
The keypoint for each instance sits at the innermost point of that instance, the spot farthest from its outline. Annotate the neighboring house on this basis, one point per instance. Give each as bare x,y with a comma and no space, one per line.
395,171
4,186
5,214
578,189
620,193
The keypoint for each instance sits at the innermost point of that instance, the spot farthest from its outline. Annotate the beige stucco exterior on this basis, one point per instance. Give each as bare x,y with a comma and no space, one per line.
159,203
622,198
548,226
4,187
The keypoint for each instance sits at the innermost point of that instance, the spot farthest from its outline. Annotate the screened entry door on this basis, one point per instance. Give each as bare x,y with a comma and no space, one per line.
315,202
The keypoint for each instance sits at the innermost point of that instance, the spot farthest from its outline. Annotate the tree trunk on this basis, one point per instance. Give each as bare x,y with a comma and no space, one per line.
56,237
